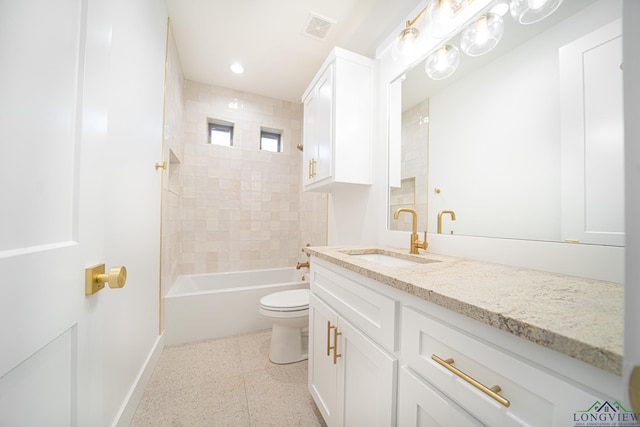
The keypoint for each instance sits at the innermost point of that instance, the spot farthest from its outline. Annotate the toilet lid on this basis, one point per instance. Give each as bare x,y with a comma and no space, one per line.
297,299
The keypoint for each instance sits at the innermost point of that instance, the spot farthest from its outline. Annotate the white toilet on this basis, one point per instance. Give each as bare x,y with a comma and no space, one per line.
289,312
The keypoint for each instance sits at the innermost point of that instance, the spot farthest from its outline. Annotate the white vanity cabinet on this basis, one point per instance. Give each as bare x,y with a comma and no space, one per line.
337,123
380,356
523,394
352,377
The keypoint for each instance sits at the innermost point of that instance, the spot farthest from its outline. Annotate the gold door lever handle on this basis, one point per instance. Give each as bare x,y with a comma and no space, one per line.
95,278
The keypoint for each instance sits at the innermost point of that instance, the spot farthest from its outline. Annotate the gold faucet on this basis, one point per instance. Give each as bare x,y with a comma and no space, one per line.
302,265
415,243
453,218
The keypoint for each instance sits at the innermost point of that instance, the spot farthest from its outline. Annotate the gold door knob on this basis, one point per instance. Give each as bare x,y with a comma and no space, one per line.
95,278
116,277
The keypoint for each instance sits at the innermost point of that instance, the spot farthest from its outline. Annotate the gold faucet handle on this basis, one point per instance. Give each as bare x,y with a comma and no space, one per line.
423,244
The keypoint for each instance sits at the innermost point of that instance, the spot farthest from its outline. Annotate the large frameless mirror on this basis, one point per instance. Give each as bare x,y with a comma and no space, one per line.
523,142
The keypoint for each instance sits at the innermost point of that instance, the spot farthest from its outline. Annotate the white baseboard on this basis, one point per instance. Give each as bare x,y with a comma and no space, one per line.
128,409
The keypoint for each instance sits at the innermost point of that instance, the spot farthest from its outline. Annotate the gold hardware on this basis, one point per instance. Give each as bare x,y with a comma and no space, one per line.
415,242
300,147
312,168
634,389
95,278
329,337
162,165
622,66
411,23
302,265
437,190
491,392
572,240
335,345
453,218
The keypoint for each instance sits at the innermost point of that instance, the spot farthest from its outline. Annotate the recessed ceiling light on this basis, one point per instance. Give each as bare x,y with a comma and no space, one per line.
236,68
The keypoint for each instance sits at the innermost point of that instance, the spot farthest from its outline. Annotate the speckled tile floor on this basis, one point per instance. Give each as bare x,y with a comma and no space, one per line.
226,382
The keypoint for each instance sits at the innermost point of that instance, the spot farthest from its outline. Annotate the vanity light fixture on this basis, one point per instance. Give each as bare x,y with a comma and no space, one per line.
531,11
482,35
440,21
443,62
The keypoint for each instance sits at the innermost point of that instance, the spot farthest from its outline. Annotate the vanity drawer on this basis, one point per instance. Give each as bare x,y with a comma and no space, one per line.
534,397
353,298
421,405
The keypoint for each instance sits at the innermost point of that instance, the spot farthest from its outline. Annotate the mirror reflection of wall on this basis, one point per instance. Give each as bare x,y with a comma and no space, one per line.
412,192
497,133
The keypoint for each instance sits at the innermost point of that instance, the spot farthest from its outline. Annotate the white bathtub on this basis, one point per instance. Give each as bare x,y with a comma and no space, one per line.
205,306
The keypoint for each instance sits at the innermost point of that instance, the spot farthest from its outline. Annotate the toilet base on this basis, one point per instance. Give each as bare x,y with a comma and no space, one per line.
288,345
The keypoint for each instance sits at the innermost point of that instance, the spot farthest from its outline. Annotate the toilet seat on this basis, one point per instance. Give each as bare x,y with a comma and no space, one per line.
286,301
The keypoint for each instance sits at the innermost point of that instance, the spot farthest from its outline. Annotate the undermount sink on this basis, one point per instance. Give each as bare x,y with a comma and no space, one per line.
383,259
387,258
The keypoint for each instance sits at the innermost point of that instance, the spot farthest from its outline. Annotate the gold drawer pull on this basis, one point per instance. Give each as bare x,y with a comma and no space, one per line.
491,392
312,168
335,345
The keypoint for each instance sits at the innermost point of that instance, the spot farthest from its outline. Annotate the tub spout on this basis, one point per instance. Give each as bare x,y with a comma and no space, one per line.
302,265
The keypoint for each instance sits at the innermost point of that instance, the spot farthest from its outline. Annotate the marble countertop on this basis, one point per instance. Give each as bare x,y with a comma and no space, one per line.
582,318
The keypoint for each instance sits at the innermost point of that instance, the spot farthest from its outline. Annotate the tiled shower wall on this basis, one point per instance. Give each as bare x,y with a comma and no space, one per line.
243,208
173,152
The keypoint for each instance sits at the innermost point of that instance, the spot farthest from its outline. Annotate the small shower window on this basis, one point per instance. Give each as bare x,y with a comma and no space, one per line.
220,132
271,139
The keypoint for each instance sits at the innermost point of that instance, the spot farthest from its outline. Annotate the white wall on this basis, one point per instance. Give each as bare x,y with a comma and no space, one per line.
121,328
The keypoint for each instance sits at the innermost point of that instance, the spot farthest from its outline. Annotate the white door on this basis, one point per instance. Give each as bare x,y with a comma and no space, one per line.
593,137
63,201
42,195
631,28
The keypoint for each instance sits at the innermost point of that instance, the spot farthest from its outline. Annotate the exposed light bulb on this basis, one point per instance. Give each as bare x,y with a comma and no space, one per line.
443,17
405,44
482,30
443,62
483,35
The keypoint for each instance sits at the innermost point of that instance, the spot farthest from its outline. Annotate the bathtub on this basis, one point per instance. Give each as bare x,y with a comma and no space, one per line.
206,306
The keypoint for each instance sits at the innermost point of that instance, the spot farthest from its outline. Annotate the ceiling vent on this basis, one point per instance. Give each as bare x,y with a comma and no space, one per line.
318,26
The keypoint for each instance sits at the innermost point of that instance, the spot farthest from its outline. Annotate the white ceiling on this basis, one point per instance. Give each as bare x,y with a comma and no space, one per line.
267,37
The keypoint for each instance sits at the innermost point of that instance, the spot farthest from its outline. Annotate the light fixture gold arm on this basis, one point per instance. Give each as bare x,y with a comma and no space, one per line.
411,23
420,14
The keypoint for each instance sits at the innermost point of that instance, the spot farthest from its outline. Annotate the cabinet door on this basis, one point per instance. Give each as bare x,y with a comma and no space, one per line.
310,150
322,371
366,381
318,122
324,119
422,405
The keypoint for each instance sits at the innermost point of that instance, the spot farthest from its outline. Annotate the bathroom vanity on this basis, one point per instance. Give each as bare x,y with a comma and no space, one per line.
408,340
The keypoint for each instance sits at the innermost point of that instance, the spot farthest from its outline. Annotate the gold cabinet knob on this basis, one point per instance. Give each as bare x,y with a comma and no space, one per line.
95,278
